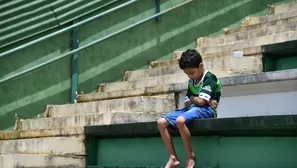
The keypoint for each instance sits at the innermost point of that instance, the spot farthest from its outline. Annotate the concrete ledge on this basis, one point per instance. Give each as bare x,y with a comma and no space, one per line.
152,72
236,65
40,161
282,8
54,146
130,104
92,119
248,21
280,125
146,82
60,132
248,34
253,42
158,64
161,89
257,50
265,24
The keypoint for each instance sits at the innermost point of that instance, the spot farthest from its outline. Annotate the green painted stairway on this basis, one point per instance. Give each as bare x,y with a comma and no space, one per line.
115,126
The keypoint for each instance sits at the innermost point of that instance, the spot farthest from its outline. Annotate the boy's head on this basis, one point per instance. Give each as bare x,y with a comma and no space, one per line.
191,63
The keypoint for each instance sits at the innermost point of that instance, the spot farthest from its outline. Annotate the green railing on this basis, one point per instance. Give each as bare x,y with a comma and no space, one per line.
75,25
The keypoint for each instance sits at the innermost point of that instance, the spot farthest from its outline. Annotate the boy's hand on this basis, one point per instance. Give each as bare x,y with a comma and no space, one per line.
213,103
199,101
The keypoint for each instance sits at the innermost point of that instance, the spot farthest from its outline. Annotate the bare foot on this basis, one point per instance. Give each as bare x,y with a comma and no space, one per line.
191,162
172,163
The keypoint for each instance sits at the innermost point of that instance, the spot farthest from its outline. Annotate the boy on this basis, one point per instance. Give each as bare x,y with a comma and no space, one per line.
203,95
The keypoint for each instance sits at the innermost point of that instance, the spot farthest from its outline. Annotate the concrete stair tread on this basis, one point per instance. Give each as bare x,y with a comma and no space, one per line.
90,119
40,161
151,72
245,35
282,8
163,63
268,18
255,50
53,145
128,104
253,22
178,87
145,82
41,133
252,42
153,81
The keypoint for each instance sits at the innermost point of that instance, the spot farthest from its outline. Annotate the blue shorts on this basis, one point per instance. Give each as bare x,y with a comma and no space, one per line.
190,113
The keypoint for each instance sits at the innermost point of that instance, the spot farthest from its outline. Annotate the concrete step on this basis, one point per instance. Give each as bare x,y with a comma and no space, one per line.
180,87
163,63
257,41
152,72
235,65
40,161
57,132
282,8
248,21
53,146
129,105
86,120
146,82
253,23
249,34
152,81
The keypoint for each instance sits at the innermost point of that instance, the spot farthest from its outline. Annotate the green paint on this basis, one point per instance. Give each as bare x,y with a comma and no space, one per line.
29,94
223,152
74,65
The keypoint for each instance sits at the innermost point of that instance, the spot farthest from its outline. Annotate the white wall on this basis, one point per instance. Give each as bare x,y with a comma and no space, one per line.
274,98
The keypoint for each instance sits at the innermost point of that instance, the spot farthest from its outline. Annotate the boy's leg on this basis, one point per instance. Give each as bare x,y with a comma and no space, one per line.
163,124
193,113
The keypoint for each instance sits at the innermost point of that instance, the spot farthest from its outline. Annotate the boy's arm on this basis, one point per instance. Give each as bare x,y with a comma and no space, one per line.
205,94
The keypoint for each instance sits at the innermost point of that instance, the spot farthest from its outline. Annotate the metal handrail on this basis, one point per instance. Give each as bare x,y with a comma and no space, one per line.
94,42
67,28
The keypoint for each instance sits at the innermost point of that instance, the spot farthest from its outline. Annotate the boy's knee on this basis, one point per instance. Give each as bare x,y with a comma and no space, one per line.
180,121
162,122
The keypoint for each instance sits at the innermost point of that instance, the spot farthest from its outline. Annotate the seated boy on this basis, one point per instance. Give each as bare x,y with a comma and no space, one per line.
202,98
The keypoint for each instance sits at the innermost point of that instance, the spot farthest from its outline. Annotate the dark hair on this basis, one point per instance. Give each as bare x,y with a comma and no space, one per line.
190,59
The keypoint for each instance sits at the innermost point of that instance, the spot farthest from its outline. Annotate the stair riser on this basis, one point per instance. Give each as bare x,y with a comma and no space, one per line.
262,25
54,146
258,41
40,161
225,39
132,104
84,120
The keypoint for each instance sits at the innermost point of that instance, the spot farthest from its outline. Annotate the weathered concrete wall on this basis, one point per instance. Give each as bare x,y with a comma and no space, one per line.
28,95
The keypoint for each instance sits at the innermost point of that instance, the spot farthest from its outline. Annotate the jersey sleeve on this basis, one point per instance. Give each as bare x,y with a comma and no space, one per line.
209,86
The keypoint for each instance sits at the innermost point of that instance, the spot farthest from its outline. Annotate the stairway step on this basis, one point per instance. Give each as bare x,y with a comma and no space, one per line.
40,161
248,21
257,41
250,25
129,104
163,63
282,8
152,72
58,132
87,120
181,87
54,146
235,65
146,82
204,42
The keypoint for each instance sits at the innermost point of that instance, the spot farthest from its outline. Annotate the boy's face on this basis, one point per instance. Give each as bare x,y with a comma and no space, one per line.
194,73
